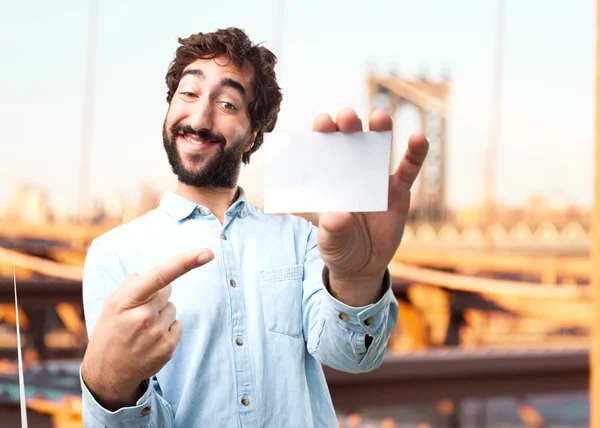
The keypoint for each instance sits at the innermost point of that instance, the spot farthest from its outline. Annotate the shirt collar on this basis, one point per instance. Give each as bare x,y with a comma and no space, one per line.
180,208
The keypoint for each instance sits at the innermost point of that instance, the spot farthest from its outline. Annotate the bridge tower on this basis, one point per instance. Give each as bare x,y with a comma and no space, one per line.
430,98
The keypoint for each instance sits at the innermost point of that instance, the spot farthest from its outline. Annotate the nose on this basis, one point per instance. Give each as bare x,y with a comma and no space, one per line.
201,117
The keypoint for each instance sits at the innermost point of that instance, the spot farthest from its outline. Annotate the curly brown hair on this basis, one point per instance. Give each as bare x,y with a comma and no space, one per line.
234,43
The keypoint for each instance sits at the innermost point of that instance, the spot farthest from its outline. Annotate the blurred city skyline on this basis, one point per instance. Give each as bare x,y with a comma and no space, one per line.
546,137
31,205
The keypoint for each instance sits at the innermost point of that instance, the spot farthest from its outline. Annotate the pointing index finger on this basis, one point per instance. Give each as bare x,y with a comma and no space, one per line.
160,276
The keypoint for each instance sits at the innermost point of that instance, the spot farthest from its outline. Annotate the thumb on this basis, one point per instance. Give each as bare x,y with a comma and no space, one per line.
336,223
335,232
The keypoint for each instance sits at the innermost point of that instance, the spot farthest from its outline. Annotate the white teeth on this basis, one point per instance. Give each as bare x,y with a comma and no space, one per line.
193,141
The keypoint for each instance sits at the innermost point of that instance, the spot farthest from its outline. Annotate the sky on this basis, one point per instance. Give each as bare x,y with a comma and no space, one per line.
325,50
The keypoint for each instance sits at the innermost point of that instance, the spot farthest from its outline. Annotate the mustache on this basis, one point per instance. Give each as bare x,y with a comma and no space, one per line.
204,134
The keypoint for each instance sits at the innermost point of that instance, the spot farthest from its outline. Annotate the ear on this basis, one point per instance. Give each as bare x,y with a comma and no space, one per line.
250,142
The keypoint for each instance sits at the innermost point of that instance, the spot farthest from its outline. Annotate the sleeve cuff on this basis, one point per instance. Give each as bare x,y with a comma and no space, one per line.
365,319
138,415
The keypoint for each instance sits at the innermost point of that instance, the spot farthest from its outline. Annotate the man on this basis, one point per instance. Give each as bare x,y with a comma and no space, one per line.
206,312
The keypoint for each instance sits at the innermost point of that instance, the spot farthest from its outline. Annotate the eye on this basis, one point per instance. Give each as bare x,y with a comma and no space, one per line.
228,106
188,94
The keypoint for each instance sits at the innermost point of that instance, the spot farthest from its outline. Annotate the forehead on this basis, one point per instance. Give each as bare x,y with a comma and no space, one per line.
221,67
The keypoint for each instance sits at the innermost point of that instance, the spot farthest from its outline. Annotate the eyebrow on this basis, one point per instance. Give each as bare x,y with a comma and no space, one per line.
226,81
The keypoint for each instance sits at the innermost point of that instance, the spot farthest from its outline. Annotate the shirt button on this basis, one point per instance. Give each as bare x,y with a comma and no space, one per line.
232,283
201,210
146,411
239,341
369,321
245,401
223,237
239,215
344,316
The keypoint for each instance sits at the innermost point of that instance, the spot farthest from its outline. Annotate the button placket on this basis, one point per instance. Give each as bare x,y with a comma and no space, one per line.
241,357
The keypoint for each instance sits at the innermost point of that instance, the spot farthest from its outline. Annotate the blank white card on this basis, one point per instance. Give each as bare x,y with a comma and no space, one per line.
326,172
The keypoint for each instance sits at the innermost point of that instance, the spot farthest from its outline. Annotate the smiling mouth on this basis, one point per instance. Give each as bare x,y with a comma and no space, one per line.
194,139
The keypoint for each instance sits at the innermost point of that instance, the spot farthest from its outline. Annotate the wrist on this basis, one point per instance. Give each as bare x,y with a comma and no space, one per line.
353,290
111,392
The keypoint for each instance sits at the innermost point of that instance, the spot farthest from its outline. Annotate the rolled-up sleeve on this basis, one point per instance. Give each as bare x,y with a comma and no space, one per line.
346,338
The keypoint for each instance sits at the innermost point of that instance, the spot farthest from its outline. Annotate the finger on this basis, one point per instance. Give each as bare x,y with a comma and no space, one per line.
175,330
167,316
380,121
348,121
413,159
159,277
334,223
162,298
324,123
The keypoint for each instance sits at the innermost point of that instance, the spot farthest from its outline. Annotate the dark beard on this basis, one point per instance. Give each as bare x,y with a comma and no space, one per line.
222,169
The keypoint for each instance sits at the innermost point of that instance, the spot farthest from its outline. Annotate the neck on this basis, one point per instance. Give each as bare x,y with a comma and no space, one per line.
216,199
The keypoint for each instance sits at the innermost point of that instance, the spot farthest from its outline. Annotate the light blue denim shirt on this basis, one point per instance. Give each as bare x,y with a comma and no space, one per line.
257,321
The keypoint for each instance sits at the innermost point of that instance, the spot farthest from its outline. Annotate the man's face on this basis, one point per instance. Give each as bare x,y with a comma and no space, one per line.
207,128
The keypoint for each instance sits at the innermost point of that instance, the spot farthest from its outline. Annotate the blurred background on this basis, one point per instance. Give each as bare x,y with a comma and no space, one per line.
493,275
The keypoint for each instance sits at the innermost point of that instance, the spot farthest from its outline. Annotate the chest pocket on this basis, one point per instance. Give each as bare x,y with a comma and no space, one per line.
281,293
